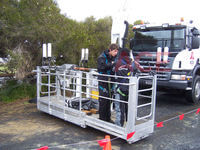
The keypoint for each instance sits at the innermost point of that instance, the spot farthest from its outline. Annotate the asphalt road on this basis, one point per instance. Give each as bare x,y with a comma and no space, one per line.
22,126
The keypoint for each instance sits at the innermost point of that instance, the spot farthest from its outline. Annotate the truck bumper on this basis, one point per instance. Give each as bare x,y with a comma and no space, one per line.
170,84
173,84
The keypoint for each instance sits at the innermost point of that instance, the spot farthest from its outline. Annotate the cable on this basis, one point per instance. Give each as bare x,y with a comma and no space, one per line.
75,144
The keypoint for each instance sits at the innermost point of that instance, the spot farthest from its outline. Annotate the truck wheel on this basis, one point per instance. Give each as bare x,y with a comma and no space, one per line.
194,95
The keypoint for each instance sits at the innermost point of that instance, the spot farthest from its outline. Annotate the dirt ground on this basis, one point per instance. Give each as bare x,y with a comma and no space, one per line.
23,127
18,122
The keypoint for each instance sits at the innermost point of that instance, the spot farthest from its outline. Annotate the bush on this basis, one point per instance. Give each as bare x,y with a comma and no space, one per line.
13,91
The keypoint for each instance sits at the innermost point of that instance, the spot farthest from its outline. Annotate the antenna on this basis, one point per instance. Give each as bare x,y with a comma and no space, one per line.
84,56
47,54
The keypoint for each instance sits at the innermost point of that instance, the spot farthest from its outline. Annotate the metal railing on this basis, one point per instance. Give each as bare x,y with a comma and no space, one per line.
63,93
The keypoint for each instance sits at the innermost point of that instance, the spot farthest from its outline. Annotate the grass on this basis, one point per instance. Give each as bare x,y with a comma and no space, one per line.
2,67
13,91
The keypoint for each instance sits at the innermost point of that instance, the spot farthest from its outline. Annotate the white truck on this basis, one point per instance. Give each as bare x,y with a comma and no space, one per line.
172,52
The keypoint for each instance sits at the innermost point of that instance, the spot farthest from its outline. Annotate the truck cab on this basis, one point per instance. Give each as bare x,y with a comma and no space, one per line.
172,52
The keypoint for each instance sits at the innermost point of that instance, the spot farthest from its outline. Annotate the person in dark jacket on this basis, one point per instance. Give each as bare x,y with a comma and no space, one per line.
105,63
123,68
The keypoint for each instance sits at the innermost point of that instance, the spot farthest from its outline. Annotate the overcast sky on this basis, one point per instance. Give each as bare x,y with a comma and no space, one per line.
154,11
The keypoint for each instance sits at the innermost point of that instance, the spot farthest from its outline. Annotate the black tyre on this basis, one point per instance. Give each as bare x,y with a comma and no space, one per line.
193,96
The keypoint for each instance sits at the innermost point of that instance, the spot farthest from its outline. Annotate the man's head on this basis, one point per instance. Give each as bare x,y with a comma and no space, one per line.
113,50
123,58
124,52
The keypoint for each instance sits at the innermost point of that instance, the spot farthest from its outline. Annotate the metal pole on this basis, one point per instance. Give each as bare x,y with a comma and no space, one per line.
132,105
88,91
38,86
64,95
154,96
49,88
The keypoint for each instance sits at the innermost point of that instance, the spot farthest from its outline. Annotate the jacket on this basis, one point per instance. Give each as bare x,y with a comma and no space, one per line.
105,65
123,71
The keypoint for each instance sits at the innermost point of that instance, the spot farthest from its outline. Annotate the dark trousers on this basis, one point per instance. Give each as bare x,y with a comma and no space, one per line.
123,109
104,104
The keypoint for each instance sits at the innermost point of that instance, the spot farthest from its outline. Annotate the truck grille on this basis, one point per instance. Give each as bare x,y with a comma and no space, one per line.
163,70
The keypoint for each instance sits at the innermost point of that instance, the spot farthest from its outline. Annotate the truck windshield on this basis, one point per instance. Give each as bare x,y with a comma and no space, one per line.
150,40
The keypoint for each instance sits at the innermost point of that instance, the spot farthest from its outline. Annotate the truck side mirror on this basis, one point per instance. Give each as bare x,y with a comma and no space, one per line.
195,42
195,32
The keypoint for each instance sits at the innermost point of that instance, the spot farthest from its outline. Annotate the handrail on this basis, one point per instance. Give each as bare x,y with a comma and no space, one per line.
63,76
150,104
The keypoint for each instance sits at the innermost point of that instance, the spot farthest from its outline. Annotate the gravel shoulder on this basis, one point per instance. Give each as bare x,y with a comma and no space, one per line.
23,127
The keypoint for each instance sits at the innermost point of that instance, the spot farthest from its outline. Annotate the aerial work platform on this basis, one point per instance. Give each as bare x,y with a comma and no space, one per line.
72,95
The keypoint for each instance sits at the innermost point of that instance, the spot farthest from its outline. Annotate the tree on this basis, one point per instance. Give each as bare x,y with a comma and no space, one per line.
98,37
8,16
26,25
92,34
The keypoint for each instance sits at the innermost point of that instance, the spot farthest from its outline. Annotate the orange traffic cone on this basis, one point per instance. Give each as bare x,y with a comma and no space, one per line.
108,144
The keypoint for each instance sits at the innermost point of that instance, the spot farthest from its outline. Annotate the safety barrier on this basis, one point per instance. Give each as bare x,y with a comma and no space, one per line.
72,95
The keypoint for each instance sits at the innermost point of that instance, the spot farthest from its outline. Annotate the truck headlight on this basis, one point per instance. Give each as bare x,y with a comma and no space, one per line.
178,77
